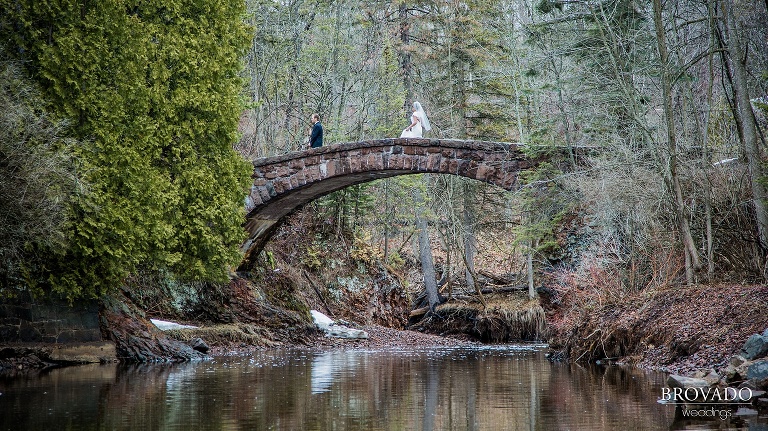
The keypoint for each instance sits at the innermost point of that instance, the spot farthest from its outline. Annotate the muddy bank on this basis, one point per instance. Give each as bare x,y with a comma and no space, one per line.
678,329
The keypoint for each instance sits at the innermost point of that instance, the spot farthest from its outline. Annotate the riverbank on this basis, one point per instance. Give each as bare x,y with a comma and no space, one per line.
680,329
379,337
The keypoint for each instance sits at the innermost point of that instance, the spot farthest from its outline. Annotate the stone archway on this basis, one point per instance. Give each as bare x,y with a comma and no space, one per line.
283,184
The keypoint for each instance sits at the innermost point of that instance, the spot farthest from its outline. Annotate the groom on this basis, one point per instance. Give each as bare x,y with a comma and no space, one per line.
316,138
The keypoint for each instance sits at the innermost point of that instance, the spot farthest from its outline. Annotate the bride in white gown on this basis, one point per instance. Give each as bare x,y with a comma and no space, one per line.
419,123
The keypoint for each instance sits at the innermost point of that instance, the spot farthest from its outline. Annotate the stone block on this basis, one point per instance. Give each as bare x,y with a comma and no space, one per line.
453,167
297,164
264,193
88,335
254,199
433,162
17,311
312,174
422,163
355,163
9,333
463,168
329,168
485,172
280,185
344,166
270,175
28,333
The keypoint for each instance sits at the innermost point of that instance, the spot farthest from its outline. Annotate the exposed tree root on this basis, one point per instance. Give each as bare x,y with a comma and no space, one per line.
506,318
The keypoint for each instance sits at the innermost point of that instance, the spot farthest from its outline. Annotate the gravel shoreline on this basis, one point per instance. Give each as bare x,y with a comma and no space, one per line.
379,337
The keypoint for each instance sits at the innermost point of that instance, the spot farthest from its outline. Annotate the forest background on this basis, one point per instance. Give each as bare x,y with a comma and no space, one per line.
126,130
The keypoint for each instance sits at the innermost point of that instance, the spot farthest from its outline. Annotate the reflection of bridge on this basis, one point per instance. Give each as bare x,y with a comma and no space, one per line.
283,184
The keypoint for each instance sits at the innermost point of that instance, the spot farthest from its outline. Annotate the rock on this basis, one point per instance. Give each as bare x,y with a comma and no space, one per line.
763,384
736,369
331,329
744,411
758,370
755,347
765,333
136,338
751,384
710,376
737,360
199,345
675,381
84,353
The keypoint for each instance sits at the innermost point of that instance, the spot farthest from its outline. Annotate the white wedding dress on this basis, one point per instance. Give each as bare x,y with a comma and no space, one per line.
416,131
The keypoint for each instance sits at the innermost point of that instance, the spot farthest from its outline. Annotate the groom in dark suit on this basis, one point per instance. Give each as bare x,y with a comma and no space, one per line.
316,139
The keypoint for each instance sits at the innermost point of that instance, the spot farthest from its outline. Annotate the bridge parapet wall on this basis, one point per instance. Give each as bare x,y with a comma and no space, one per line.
495,163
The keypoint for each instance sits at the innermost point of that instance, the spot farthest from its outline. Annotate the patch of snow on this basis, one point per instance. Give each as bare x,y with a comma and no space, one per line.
165,325
332,329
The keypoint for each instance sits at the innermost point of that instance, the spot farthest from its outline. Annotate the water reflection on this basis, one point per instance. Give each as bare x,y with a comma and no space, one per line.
436,389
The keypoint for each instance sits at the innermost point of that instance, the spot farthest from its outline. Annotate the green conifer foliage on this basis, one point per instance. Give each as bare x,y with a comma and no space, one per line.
153,91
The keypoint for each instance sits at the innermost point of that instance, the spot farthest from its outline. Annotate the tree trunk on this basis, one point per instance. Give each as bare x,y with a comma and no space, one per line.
747,117
470,242
405,54
425,252
692,255
531,286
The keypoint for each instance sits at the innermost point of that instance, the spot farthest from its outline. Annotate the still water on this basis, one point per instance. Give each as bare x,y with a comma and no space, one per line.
486,388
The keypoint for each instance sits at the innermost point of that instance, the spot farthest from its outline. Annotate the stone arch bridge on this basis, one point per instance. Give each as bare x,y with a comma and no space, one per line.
283,184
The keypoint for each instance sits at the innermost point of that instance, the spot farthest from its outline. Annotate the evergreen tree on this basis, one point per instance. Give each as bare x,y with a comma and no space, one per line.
153,92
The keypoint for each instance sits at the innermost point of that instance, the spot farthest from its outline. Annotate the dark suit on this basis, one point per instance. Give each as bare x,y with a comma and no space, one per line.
316,139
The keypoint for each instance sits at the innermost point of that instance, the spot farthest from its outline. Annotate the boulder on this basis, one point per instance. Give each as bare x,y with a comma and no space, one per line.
675,381
736,369
758,370
710,376
755,347
136,339
737,360
199,345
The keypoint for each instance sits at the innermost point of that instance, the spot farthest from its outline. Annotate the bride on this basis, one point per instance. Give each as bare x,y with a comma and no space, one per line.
419,122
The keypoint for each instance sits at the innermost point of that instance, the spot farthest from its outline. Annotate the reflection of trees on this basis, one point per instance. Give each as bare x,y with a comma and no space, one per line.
429,390
431,387
613,396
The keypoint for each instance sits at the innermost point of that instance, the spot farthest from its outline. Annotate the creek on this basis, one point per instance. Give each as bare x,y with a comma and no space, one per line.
511,387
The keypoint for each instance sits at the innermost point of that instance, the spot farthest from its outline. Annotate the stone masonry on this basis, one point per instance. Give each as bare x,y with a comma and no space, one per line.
283,184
